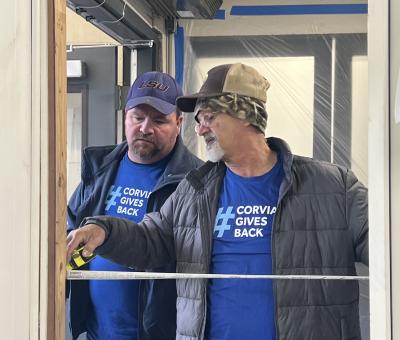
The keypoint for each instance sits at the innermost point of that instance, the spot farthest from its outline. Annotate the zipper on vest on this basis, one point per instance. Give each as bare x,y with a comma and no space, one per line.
207,241
274,269
277,214
206,225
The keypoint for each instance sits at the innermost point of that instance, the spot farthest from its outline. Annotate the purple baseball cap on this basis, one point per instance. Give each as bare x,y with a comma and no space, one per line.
156,89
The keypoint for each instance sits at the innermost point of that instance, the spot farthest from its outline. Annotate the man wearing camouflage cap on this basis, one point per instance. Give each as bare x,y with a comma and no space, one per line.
254,208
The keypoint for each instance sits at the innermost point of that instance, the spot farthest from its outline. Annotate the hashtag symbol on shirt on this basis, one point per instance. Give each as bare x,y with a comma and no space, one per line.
224,217
111,196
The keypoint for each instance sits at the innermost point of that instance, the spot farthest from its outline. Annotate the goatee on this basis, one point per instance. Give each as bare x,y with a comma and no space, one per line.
214,151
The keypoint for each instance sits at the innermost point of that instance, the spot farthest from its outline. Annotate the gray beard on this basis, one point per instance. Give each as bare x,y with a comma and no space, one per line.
215,153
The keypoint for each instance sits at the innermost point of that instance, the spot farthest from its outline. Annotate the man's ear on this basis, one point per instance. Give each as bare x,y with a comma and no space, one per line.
179,121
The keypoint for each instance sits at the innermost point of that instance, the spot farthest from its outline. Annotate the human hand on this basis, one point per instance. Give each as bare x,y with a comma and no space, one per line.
90,237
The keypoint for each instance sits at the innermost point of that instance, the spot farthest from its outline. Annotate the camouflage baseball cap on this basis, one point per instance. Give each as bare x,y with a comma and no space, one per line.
237,79
242,107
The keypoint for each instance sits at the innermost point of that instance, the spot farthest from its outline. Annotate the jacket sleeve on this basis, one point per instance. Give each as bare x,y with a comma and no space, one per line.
147,245
357,216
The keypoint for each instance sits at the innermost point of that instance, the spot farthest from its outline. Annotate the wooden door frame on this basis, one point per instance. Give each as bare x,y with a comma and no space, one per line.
57,146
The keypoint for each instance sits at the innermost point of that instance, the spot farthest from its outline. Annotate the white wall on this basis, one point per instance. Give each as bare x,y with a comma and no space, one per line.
359,118
378,168
395,161
21,59
74,141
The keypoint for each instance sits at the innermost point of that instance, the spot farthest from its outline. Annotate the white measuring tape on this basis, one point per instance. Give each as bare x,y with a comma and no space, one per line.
102,275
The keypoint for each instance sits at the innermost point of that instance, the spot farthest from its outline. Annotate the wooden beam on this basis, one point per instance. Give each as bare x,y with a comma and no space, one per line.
57,168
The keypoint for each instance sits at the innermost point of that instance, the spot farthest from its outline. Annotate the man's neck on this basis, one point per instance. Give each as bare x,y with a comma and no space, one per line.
255,159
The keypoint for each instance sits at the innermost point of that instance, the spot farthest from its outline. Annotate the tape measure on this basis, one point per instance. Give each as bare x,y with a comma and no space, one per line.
78,260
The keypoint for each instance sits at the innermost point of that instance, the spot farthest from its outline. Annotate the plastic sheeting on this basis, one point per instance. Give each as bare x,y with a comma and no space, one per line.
318,70
318,96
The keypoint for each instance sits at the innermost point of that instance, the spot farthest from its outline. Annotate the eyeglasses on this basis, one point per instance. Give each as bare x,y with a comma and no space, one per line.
204,120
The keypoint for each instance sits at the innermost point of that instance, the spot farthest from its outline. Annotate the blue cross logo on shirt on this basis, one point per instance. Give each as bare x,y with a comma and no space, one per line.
225,217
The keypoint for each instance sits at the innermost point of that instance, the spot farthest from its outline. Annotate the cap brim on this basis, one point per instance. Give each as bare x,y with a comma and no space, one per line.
160,105
188,103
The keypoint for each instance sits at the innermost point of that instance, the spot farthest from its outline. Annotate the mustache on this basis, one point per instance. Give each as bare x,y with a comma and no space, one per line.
142,136
209,137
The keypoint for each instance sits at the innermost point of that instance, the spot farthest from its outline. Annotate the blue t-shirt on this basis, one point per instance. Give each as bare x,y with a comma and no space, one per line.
241,308
114,314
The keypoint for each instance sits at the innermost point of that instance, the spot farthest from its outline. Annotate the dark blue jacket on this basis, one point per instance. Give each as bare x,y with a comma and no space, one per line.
157,299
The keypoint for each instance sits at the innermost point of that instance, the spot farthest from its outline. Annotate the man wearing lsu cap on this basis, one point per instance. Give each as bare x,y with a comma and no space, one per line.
126,181
254,209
